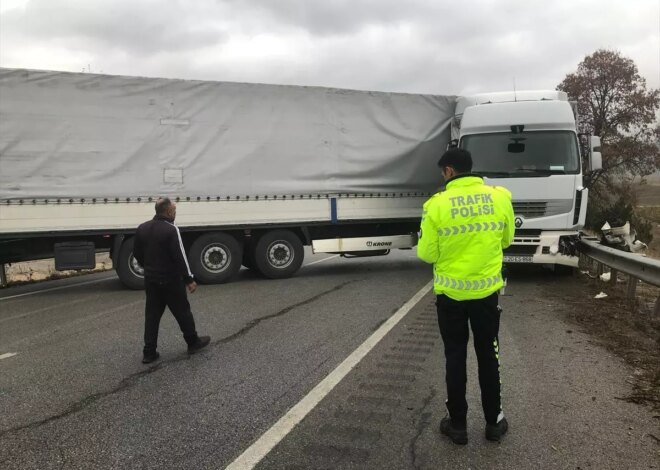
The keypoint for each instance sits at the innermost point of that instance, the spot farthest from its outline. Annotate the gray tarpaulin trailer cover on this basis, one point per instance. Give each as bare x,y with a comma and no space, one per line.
84,135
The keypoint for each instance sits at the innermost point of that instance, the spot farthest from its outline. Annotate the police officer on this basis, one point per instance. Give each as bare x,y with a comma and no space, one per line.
463,232
159,249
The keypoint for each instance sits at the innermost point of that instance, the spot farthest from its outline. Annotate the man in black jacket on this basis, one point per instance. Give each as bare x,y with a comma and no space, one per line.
159,249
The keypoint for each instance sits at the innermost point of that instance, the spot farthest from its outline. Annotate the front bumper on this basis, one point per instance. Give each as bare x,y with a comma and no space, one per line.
544,248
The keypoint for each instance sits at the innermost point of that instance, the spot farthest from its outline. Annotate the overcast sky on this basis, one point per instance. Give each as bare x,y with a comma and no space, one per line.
418,46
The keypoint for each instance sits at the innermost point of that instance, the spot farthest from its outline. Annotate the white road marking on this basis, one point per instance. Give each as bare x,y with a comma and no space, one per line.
67,303
7,355
109,278
56,288
125,309
321,260
257,451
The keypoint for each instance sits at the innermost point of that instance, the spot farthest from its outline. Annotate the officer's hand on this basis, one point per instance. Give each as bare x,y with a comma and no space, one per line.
192,287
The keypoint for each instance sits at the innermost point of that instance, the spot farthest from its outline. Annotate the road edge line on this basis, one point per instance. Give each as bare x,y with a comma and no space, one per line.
320,260
51,289
268,440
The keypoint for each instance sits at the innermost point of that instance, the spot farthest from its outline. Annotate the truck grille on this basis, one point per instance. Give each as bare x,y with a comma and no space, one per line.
534,209
530,209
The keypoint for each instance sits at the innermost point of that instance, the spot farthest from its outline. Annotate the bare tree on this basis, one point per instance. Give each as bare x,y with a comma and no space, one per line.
615,104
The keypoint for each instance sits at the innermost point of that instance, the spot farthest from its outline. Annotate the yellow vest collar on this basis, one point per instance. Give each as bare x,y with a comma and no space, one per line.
464,180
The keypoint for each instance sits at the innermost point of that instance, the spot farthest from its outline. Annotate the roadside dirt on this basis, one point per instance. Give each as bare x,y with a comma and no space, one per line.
627,329
35,271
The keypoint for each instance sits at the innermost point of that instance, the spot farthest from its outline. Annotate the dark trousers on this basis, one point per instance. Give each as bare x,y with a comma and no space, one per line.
173,295
484,317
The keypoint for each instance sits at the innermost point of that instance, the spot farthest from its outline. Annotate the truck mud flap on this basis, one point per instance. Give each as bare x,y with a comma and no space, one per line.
75,255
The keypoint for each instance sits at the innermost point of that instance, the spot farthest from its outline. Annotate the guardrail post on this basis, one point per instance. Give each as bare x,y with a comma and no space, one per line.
3,276
632,287
639,269
613,275
585,261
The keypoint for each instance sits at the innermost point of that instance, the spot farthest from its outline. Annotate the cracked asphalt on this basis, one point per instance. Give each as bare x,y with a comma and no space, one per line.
562,396
77,397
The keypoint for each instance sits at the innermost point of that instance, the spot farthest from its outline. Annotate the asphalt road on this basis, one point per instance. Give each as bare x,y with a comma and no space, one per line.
75,394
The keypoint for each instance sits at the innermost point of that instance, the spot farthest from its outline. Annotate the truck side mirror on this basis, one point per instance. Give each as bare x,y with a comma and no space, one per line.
595,157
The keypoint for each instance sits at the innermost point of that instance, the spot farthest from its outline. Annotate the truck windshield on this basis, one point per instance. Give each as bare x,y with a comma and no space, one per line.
533,153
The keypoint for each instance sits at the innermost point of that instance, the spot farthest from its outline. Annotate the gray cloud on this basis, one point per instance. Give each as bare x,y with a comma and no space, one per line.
421,46
137,28
339,16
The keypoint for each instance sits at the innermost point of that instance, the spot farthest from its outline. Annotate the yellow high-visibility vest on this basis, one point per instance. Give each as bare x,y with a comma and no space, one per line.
463,232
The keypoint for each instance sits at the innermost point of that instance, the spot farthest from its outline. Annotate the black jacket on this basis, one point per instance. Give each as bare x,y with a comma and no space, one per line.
159,249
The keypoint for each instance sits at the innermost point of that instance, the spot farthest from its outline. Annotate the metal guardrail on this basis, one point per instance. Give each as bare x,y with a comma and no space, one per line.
636,267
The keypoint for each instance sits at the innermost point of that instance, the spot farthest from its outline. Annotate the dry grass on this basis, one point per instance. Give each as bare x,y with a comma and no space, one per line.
652,213
648,194
648,200
626,328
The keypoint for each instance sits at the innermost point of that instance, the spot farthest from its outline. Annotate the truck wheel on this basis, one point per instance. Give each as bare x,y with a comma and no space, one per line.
130,273
215,258
278,254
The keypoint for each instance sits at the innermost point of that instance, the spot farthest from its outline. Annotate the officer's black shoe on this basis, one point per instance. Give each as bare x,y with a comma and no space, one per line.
494,432
457,434
148,358
201,343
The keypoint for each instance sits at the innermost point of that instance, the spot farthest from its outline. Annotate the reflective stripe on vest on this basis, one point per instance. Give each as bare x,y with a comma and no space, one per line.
469,228
467,284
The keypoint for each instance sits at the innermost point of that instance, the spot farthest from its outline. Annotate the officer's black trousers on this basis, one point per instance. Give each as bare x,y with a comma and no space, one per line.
173,295
484,317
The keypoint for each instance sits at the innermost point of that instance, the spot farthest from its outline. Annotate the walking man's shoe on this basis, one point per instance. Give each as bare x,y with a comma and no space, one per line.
494,432
201,343
457,434
148,358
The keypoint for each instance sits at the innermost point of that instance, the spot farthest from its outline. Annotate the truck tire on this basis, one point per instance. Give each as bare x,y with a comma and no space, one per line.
215,258
128,269
278,254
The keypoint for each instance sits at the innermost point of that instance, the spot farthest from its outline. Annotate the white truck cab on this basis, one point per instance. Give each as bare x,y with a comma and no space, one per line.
527,142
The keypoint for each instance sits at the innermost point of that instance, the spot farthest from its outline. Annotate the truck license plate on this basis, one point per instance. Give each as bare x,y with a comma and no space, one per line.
518,259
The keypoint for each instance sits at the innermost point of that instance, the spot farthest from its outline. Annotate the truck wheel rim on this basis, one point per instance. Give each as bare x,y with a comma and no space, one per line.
280,254
216,258
135,267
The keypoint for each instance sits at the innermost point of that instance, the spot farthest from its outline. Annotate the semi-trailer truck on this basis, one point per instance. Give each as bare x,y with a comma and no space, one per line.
259,171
